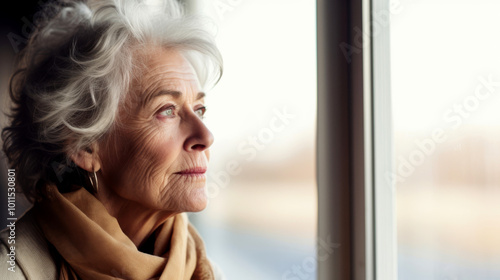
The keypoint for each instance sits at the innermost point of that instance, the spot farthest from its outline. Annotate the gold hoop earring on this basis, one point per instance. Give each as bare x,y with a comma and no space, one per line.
95,185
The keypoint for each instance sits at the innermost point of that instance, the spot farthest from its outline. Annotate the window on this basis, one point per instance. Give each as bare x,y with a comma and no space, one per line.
445,81
262,216
407,139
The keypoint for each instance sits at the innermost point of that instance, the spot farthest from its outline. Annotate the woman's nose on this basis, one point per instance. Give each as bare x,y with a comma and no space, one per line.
200,138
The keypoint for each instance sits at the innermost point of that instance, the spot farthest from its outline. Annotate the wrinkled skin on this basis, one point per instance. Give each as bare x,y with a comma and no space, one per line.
153,162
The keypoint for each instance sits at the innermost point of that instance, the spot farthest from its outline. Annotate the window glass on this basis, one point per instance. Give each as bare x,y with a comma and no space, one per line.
261,219
445,64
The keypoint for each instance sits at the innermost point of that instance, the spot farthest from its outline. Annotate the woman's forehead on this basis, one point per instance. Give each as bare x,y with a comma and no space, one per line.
167,67
162,70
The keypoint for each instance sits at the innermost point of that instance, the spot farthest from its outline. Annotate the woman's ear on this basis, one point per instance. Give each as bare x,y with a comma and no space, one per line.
87,159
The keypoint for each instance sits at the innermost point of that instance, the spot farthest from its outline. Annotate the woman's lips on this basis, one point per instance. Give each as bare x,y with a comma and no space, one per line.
197,171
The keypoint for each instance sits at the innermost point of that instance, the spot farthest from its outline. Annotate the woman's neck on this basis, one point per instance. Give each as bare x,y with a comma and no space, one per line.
136,221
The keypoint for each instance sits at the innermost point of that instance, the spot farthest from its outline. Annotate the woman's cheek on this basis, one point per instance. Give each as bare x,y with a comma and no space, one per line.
158,152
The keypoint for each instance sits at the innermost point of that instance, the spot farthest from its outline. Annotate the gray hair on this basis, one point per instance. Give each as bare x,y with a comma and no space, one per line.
75,71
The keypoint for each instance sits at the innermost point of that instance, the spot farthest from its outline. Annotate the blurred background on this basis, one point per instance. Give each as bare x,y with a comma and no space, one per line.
261,219
447,192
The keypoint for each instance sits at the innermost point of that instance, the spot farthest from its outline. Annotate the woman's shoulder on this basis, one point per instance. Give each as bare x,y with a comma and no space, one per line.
24,251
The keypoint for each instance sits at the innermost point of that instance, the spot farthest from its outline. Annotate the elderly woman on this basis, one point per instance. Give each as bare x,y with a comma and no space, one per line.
108,142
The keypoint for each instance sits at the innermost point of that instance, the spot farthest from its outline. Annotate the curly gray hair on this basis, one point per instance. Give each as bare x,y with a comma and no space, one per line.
75,71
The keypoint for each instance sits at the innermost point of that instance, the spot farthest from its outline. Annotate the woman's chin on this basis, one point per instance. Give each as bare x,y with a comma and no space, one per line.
198,208
198,201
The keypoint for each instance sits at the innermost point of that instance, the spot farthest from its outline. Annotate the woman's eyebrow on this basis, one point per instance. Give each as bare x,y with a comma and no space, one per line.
149,97
200,95
174,93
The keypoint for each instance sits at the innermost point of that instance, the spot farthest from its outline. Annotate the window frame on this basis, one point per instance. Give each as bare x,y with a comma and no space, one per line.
356,205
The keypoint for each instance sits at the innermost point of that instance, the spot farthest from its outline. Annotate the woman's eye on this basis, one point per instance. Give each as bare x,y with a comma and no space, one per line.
201,112
167,112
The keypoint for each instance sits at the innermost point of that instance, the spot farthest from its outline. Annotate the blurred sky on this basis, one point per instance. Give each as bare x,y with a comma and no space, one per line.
269,52
439,50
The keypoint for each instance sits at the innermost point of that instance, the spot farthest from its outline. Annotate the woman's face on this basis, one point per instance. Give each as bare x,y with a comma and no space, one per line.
157,155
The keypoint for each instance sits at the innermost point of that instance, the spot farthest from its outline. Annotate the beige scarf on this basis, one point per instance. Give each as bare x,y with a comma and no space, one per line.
93,246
